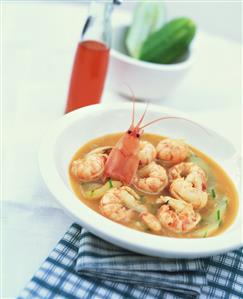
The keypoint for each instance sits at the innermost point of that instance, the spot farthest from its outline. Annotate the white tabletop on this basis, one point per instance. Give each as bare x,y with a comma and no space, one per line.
39,45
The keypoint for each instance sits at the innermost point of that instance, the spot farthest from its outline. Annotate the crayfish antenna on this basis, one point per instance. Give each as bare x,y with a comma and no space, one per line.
142,117
173,117
158,119
133,104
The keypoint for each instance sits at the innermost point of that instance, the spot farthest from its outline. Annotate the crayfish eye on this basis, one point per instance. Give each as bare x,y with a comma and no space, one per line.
137,135
129,131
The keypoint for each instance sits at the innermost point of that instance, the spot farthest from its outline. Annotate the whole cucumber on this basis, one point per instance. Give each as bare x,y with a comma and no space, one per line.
169,43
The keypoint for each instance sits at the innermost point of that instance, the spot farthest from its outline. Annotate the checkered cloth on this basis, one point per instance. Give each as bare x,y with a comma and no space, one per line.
83,266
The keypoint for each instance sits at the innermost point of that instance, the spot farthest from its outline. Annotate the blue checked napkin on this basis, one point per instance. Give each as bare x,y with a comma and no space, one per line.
97,258
83,266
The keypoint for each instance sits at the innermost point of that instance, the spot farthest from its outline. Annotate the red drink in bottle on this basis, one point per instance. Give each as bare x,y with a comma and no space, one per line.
88,76
92,57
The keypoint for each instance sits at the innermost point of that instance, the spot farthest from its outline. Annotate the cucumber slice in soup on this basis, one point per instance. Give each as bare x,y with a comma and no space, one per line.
148,17
206,231
99,192
213,220
219,213
90,186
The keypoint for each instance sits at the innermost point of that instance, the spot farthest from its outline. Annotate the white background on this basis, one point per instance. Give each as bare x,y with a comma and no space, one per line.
215,16
39,42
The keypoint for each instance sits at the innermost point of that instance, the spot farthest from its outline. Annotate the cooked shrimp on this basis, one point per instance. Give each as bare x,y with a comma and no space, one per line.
177,215
172,151
151,179
151,221
121,204
189,182
191,172
147,152
186,190
91,167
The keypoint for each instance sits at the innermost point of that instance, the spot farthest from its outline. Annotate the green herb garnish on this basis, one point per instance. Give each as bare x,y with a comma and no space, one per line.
205,234
142,198
213,193
92,192
110,184
218,214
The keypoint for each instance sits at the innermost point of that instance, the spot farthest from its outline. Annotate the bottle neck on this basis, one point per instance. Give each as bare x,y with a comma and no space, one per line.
98,23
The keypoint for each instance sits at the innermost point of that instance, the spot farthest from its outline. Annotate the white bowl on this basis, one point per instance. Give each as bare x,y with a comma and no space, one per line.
76,128
148,80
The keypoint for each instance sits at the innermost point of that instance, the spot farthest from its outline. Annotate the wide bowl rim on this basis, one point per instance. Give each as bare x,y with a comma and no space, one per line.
107,229
150,65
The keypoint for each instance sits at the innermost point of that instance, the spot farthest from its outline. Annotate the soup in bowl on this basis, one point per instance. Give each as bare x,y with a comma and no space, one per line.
174,196
176,191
